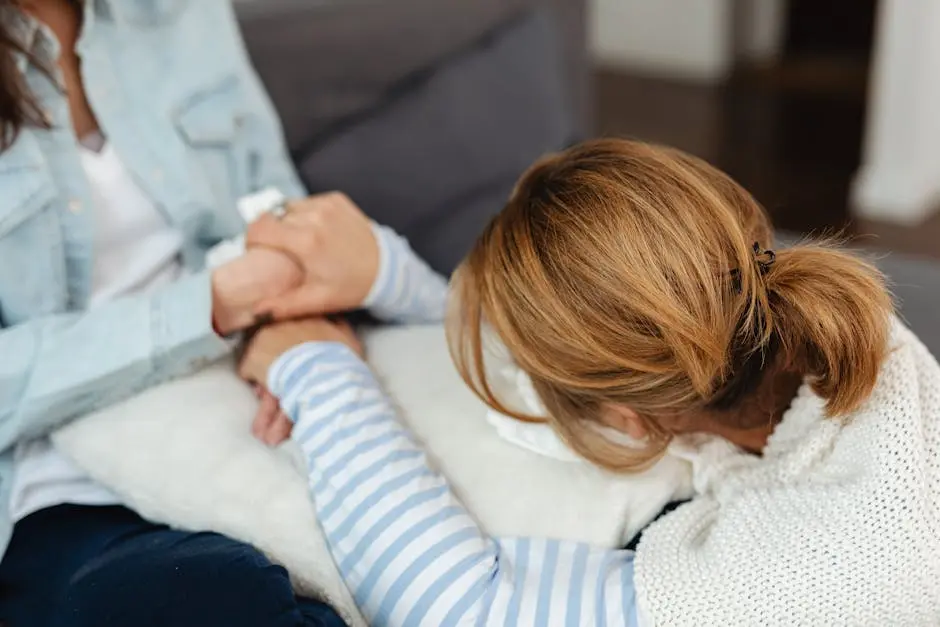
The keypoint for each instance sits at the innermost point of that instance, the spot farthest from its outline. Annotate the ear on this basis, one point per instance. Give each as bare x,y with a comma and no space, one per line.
624,419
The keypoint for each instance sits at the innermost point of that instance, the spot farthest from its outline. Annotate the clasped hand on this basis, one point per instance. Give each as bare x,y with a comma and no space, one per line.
320,258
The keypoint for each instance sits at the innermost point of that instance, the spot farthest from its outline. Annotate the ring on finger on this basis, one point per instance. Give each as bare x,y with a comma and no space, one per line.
279,211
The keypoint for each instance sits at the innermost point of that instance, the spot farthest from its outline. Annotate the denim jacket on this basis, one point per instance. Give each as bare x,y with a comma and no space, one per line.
174,92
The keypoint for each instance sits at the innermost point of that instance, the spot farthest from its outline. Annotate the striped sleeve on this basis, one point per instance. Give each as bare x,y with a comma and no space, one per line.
406,289
406,547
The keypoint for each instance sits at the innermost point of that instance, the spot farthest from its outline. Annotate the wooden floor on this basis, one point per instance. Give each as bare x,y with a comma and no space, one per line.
792,137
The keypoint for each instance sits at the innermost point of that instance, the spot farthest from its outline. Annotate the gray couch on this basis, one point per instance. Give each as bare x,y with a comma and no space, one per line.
425,111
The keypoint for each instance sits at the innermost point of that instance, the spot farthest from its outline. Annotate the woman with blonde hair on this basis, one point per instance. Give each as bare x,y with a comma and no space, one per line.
639,289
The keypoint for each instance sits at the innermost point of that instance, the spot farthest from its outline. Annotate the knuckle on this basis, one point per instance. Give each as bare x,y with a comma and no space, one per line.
320,217
338,203
311,239
328,215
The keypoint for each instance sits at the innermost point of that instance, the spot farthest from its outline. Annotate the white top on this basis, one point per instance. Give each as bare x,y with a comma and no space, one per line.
515,389
838,523
136,251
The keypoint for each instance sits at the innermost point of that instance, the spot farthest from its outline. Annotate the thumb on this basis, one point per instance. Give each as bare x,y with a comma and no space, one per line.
305,300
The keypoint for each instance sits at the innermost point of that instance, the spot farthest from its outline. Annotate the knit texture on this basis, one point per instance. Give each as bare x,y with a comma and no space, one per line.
838,523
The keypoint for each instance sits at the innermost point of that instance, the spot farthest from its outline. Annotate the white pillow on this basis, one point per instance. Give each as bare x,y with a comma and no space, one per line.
182,454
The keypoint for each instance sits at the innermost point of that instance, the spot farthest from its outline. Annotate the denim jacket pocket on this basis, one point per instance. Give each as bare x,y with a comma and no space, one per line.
212,123
31,255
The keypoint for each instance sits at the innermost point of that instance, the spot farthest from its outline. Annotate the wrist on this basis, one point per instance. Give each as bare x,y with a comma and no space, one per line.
338,355
229,315
257,369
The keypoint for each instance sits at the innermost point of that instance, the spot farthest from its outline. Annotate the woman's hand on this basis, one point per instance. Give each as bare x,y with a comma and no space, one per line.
274,340
239,285
332,241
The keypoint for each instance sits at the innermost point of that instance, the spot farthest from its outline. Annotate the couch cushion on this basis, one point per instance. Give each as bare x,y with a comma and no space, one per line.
322,61
440,158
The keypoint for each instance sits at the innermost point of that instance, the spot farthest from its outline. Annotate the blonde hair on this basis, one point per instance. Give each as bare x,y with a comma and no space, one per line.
625,273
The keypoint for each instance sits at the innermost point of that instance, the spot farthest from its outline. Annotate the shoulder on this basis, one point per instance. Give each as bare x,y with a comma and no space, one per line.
205,27
908,384
174,49
157,13
860,489
906,346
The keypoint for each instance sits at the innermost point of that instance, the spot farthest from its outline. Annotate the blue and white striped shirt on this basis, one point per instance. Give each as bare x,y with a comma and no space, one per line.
406,547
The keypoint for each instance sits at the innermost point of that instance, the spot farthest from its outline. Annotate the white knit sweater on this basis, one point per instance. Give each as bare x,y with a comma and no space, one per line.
837,524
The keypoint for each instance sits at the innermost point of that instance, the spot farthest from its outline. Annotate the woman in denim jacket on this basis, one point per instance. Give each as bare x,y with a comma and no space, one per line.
129,130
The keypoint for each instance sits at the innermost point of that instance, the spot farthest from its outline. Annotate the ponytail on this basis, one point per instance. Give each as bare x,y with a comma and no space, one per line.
830,311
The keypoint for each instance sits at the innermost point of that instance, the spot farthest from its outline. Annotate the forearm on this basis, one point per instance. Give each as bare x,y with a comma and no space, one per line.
373,488
62,366
407,548
406,289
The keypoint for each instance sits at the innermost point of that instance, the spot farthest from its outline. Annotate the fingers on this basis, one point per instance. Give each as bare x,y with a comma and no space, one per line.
270,425
323,203
269,232
303,301
280,430
266,415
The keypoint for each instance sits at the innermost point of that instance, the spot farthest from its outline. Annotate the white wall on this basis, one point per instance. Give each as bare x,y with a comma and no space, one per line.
759,29
899,180
686,39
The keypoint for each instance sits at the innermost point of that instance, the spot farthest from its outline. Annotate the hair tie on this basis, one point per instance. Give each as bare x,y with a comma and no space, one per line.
764,258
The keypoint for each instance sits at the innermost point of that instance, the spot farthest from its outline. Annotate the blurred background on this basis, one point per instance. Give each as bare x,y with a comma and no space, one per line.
824,110
817,107
426,111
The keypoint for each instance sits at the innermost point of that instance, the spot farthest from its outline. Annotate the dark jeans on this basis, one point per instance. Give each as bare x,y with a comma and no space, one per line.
74,565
